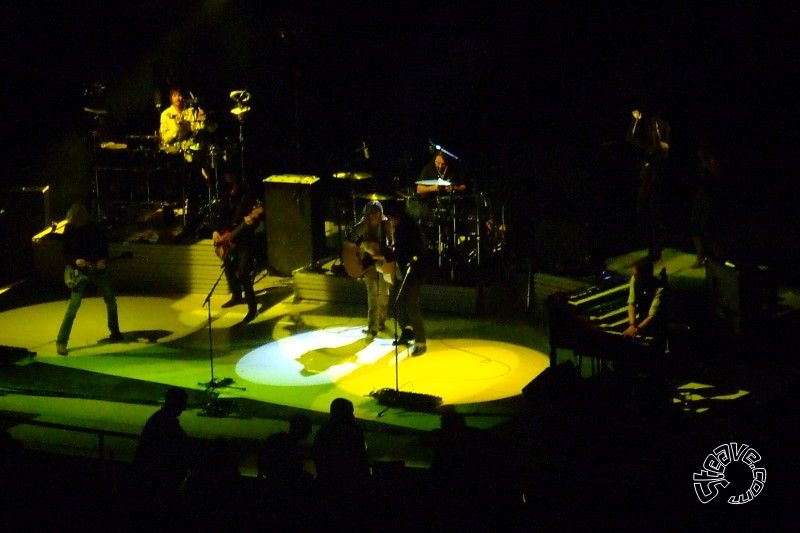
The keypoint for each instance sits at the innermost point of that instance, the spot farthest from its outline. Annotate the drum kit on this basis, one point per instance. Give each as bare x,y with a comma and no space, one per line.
461,228
187,167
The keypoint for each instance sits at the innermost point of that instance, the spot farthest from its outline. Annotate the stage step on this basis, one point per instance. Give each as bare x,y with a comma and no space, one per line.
152,269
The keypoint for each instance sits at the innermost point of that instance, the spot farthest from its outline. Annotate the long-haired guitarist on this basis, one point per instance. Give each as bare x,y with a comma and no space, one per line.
235,241
363,254
85,250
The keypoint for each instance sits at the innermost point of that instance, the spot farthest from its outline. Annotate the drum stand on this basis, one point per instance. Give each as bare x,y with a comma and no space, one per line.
209,212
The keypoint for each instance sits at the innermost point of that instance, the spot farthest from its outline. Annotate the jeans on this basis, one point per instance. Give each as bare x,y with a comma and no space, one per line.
101,280
408,309
377,299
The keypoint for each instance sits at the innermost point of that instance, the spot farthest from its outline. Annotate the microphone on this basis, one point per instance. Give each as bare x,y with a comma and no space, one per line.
365,149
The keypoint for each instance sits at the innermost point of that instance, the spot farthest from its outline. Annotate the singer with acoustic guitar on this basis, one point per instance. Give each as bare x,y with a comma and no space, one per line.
363,256
234,242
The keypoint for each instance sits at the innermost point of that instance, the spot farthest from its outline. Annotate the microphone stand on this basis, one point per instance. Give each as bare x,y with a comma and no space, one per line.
396,345
213,407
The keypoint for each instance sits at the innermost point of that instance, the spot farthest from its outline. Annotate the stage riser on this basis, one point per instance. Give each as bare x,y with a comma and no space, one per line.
329,288
153,269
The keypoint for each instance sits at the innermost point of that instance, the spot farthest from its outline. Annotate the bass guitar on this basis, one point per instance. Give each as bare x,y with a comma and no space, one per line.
224,242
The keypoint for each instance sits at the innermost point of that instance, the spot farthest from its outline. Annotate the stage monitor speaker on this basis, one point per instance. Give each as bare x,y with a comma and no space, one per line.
294,221
742,296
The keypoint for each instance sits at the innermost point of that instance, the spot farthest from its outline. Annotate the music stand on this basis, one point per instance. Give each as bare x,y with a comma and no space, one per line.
214,407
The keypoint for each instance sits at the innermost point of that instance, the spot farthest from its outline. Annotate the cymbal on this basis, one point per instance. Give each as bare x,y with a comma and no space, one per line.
439,181
374,196
352,175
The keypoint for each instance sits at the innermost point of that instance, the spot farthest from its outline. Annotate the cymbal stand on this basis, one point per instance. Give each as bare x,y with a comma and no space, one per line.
241,98
212,205
240,118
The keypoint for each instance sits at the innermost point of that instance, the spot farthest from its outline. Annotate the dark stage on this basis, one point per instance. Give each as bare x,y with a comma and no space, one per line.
321,110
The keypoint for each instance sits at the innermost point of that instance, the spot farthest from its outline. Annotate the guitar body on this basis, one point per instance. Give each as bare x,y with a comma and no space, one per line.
353,261
224,246
357,262
224,242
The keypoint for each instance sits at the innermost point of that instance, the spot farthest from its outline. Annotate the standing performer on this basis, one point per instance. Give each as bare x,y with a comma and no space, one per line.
85,250
367,245
409,248
235,242
651,177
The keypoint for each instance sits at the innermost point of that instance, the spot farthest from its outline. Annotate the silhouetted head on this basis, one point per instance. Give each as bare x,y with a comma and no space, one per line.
175,400
452,422
300,426
342,410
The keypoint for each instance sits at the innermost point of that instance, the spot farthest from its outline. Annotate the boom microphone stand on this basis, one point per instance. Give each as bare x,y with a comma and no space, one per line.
214,407
391,398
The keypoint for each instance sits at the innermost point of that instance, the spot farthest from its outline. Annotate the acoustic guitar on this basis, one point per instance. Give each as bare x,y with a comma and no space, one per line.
224,242
358,260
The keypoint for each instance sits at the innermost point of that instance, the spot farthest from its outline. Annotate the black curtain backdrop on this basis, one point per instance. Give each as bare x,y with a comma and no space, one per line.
535,99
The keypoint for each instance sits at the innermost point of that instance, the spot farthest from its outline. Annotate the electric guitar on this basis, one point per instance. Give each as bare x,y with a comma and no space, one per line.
360,259
74,275
224,243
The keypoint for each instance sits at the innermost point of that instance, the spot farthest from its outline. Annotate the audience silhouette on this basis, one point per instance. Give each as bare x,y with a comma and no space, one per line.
470,476
161,463
342,464
214,491
286,486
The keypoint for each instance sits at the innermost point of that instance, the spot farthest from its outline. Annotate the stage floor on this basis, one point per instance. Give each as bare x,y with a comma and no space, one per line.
297,356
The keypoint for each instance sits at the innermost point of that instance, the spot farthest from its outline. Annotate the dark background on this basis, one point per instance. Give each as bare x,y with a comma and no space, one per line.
535,98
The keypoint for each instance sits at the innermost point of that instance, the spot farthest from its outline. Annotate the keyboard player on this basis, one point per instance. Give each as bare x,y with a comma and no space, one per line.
619,320
644,302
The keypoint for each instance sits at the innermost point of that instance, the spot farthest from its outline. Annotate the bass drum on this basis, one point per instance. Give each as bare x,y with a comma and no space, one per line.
419,208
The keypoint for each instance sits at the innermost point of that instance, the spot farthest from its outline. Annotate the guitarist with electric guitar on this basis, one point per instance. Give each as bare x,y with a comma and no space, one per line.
86,255
235,242
364,255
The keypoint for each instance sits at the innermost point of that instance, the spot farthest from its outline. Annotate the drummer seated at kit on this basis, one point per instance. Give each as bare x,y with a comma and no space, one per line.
178,123
439,176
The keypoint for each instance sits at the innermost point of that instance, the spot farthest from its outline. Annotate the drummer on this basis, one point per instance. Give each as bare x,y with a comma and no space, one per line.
179,123
439,175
